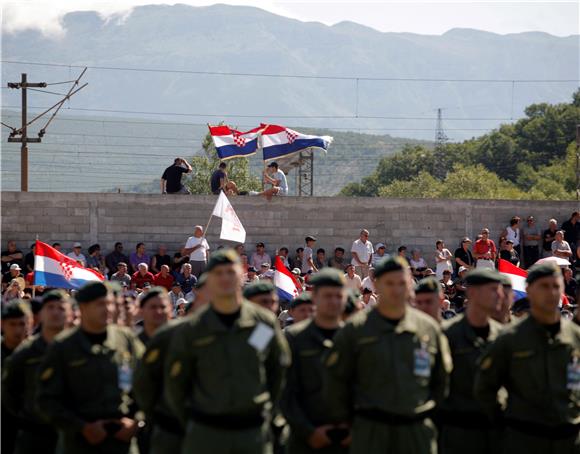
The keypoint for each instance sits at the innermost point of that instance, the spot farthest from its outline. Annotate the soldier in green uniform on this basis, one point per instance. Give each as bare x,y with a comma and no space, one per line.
388,369
429,297
156,310
462,420
85,380
165,432
303,404
19,377
16,325
264,294
537,360
225,367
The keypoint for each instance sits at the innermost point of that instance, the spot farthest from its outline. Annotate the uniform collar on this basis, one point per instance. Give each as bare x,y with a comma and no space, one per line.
494,329
245,320
563,336
408,323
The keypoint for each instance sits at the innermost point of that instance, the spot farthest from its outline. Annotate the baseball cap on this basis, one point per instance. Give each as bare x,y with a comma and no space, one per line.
380,245
466,240
461,269
15,266
77,244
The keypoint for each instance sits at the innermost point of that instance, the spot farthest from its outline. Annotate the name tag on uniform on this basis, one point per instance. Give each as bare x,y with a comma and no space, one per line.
125,376
573,375
422,363
261,336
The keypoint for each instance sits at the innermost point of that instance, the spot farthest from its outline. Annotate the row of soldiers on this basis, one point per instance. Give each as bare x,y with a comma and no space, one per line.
227,379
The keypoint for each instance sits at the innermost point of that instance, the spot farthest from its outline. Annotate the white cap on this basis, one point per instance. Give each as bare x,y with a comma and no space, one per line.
15,266
77,244
461,269
380,245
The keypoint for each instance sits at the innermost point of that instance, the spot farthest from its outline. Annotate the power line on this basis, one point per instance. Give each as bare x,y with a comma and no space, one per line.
342,117
292,76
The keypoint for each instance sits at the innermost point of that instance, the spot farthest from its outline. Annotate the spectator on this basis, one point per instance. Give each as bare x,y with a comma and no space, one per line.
362,254
197,248
121,275
429,298
29,259
300,308
139,256
260,256
337,261
320,261
297,262
402,252
177,262
485,251
11,256
418,264
95,260
186,278
240,249
308,259
560,247
277,179
531,236
513,233
571,229
353,280
14,274
219,181
14,290
507,252
175,294
113,259
463,256
171,179
380,254
548,237
283,254
57,246
141,277
442,259
164,278
159,259
369,281
448,285
251,276
460,287
570,285
368,298
244,261
264,268
77,255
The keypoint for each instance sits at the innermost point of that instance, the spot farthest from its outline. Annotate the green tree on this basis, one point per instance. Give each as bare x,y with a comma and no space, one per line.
203,167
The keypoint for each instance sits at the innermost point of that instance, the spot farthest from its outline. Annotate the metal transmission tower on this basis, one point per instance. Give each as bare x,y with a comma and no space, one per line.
440,141
306,174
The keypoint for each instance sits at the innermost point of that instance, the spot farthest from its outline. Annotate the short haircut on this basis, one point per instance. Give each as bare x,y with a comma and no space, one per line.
283,249
319,250
339,249
55,244
401,248
514,220
139,245
222,165
300,249
93,248
117,244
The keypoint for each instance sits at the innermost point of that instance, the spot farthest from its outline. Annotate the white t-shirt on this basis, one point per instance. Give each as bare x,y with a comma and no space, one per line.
368,283
307,255
355,283
79,258
377,258
200,254
279,175
363,250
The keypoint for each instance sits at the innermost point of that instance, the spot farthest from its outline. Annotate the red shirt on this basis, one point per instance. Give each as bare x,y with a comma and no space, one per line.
166,281
138,280
485,247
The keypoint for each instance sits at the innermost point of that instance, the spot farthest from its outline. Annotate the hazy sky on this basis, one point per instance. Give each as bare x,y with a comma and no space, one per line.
561,18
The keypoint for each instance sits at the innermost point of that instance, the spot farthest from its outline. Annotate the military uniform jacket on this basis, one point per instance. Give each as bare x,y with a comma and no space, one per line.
19,379
216,370
303,402
374,365
80,382
541,374
466,348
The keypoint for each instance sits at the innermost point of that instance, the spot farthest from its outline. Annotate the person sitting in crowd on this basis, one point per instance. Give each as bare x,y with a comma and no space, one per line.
283,254
175,294
570,285
251,276
320,260
275,178
171,178
260,256
159,259
353,280
507,252
402,252
139,256
560,247
13,274
77,255
95,260
11,256
337,260
164,278
369,281
418,264
141,277
29,259
220,181
380,254
186,278
368,297
121,275
113,259
448,286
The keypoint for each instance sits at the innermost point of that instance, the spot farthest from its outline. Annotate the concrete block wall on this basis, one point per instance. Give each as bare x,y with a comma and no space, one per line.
169,219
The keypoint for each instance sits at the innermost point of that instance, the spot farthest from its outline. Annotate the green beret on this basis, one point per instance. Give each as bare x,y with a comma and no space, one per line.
548,269
327,277
201,280
91,292
506,281
303,298
222,257
15,309
115,287
154,292
482,276
428,285
54,295
390,264
258,288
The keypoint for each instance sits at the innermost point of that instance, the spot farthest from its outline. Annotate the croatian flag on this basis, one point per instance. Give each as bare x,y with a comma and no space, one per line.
53,269
230,143
286,284
517,276
279,141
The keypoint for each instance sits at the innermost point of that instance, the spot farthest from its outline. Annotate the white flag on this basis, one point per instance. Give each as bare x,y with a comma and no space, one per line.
232,228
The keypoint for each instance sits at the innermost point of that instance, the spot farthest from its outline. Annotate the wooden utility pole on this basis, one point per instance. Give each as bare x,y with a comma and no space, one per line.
24,140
